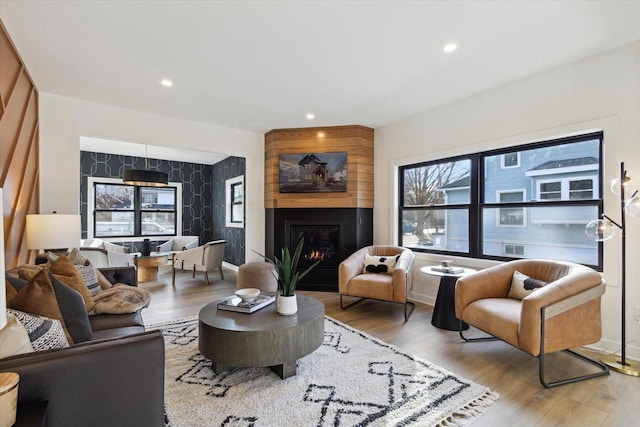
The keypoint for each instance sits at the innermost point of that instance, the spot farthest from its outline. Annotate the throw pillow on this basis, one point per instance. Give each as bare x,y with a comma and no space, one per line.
66,272
86,269
380,264
44,333
9,291
103,281
47,296
523,285
14,338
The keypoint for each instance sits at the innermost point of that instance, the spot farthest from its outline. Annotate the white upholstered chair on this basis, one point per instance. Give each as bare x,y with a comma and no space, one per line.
202,258
179,243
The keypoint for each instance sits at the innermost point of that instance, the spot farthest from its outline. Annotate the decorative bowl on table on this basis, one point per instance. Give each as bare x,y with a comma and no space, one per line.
248,294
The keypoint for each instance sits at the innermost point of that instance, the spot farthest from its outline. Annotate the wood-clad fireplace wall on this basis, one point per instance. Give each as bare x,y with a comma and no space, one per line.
349,214
18,150
357,141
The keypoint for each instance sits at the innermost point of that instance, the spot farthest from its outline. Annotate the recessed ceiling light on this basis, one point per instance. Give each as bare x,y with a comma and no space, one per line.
311,116
166,82
450,47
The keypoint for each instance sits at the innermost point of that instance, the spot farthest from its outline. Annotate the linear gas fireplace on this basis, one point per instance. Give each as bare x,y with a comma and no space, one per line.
330,235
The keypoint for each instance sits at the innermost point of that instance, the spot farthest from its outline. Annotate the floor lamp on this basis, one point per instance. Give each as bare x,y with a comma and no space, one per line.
604,229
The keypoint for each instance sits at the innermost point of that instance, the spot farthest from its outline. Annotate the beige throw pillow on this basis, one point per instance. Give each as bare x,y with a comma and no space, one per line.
523,285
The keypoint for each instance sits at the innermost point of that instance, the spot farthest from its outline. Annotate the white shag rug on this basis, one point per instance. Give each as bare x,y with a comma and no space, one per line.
352,379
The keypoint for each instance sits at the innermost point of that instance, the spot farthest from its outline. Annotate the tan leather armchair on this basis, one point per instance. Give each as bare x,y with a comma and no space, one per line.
563,314
354,282
203,258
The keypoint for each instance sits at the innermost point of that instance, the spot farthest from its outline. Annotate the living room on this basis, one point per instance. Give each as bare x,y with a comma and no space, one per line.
581,92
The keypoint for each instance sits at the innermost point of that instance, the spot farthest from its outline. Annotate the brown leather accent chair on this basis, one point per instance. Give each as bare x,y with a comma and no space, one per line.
354,282
563,314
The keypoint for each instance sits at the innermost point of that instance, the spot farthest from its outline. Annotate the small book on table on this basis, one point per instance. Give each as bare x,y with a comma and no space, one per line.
234,303
448,270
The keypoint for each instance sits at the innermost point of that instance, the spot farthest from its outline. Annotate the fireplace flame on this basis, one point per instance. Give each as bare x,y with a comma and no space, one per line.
316,255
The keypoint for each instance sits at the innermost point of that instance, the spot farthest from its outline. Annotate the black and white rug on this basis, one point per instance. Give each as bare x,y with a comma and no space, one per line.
353,379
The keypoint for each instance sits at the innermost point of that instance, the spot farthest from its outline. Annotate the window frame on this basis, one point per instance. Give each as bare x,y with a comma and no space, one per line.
478,205
138,210
230,202
503,164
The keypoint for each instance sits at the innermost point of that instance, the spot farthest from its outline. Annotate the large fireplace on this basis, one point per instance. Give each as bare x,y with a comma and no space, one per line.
330,235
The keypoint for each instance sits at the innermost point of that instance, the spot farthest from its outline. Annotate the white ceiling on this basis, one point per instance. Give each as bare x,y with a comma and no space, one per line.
260,65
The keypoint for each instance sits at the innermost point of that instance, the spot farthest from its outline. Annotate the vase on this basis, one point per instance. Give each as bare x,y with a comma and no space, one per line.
146,247
287,305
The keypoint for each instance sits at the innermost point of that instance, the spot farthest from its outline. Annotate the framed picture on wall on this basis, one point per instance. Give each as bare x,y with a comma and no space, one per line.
313,172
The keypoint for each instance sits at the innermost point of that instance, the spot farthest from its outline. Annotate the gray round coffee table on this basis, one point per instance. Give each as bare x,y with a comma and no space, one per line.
263,338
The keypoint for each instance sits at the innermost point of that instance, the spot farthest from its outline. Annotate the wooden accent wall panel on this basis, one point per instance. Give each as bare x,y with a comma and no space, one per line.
357,141
19,163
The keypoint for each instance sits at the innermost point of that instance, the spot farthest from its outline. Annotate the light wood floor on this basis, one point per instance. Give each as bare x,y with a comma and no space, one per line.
607,401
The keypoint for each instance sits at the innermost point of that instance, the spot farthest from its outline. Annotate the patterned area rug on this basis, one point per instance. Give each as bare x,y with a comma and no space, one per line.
352,379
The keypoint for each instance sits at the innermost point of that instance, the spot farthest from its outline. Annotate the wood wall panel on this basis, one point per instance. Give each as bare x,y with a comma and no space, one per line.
19,139
357,141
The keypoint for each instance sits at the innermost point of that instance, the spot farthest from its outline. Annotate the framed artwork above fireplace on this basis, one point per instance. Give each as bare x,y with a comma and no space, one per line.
313,172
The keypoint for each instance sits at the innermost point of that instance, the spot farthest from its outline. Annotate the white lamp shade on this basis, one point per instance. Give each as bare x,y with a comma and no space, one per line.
53,231
3,301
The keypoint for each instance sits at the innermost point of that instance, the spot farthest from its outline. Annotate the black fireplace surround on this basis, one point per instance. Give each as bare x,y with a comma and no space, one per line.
331,235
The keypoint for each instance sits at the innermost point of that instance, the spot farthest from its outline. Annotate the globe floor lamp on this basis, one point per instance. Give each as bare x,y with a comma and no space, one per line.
604,229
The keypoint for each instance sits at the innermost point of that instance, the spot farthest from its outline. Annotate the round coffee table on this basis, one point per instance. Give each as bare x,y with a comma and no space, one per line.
263,338
148,266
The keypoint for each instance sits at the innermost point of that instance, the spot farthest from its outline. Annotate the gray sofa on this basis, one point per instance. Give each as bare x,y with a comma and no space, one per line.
116,379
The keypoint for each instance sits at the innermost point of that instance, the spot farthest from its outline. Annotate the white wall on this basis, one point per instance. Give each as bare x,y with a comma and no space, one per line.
64,120
601,92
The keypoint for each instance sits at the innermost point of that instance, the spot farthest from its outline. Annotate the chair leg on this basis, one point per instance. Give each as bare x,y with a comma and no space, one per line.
461,332
193,273
344,307
221,274
206,278
603,369
412,305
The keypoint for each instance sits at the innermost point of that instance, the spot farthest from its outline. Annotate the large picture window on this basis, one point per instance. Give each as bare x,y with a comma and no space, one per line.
121,210
528,201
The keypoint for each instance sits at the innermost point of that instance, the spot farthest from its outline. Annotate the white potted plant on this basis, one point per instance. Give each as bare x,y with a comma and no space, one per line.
288,278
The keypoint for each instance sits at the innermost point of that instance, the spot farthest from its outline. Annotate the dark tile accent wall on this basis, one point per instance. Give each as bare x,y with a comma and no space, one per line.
197,182
230,167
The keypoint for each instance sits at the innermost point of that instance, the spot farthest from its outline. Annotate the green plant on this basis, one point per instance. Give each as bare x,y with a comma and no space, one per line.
288,275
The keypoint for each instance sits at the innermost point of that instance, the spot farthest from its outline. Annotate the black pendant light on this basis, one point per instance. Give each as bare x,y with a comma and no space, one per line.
145,177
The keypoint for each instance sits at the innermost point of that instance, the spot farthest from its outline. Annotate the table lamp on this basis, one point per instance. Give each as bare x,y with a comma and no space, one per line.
53,231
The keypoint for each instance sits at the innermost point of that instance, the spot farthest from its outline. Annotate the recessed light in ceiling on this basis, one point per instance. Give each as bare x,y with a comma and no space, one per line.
311,116
450,47
166,82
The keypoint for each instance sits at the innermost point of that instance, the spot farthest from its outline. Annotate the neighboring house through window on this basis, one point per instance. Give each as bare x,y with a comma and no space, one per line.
525,201
121,210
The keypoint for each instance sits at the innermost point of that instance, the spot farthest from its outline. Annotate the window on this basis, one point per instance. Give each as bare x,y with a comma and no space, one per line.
510,160
121,210
526,201
235,202
513,250
511,217
436,205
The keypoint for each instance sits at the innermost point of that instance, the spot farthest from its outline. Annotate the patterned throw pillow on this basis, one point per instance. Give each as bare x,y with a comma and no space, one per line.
380,264
45,295
84,267
44,333
523,285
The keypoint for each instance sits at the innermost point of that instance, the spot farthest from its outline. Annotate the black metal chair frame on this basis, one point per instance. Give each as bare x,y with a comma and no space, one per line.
604,370
407,312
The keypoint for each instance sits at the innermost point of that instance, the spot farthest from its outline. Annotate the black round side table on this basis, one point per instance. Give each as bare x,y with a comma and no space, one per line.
444,311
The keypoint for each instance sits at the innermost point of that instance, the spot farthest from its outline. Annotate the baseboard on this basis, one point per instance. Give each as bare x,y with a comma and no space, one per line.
605,346
230,266
422,298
